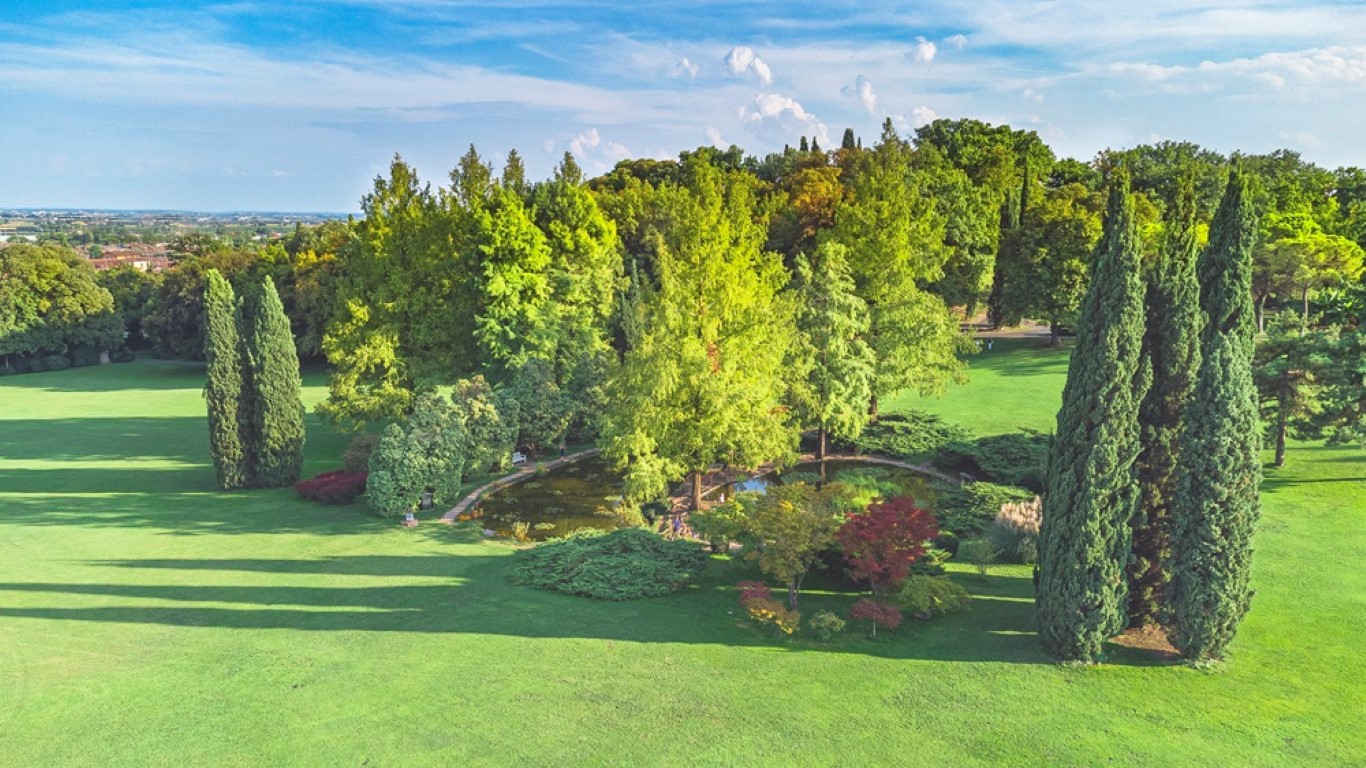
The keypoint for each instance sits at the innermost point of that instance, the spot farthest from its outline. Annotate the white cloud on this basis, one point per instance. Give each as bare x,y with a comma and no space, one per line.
687,68
862,90
714,137
957,41
742,59
1032,95
922,116
1334,66
924,50
739,59
775,116
548,145
761,69
582,144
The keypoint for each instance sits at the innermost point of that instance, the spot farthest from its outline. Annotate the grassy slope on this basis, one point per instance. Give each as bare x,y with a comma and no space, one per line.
146,618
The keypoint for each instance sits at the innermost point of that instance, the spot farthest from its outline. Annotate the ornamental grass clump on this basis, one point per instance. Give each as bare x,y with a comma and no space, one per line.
1016,530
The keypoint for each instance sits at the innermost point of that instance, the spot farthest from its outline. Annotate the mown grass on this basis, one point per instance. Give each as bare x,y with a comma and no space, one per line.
147,619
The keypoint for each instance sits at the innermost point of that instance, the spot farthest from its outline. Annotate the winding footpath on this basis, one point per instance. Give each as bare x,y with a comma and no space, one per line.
521,475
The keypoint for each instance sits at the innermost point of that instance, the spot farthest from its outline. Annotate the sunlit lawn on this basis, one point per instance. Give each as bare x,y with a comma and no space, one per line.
146,618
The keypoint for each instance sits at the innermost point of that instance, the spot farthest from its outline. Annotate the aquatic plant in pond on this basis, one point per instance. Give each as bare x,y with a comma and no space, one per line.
556,502
587,494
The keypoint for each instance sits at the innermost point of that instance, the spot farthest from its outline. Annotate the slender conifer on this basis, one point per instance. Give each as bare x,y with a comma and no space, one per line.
1091,486
223,390
1172,348
1216,506
278,413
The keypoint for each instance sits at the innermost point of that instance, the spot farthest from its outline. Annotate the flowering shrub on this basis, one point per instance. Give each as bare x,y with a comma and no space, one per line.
879,614
757,600
339,487
770,611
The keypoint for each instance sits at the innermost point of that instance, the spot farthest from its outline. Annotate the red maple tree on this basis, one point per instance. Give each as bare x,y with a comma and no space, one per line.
881,544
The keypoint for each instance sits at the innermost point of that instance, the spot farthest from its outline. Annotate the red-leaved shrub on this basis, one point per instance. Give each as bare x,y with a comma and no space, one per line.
880,614
339,487
753,590
881,544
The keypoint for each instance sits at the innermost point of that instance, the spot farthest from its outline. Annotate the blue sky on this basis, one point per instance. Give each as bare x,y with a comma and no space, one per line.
297,106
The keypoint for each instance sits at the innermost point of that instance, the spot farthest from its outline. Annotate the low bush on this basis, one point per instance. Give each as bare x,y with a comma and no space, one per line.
356,458
979,552
970,509
122,355
338,487
770,611
910,434
824,625
1010,459
925,597
620,565
877,614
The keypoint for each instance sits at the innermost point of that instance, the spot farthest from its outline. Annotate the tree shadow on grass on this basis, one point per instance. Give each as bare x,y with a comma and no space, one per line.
186,505
469,594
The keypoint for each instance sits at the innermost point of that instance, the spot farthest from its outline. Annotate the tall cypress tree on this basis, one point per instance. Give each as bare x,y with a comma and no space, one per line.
1216,506
1091,488
277,415
224,388
1172,348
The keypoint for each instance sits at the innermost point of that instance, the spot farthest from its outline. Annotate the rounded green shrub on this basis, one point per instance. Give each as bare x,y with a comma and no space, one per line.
928,596
620,565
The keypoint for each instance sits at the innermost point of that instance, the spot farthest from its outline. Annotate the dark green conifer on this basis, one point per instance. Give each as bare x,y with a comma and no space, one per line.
224,388
1172,348
804,146
848,141
278,411
1091,490
1216,506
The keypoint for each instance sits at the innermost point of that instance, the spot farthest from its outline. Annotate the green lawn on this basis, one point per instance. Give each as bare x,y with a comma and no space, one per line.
147,619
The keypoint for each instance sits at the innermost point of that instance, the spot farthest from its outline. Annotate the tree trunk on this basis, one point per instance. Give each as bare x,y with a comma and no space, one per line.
1280,433
792,588
697,491
820,444
1054,337
1304,320
872,410
1259,307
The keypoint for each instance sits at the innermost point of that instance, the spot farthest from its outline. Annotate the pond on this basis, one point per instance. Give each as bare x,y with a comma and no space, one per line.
583,494
557,502
876,478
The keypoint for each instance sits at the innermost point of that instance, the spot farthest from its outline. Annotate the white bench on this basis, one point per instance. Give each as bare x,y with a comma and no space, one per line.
518,458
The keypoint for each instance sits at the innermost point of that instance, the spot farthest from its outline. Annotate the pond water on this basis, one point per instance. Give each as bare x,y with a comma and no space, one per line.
582,494
557,502
880,478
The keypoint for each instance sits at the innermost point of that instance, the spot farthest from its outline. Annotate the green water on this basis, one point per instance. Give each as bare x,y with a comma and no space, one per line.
877,478
557,502
582,494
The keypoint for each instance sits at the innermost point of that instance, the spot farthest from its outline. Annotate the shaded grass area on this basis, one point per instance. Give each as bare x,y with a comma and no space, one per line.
146,618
